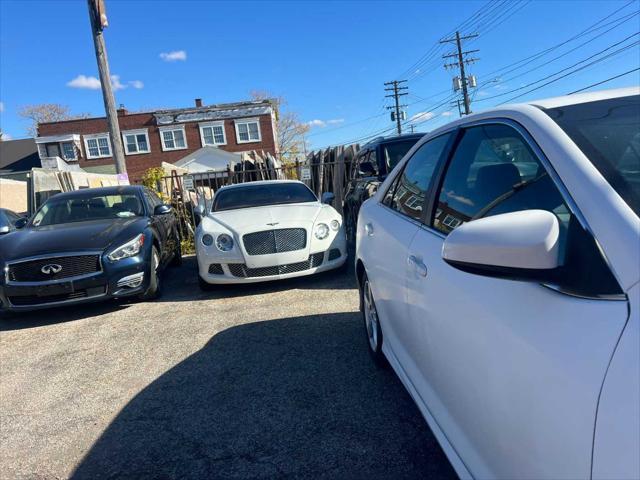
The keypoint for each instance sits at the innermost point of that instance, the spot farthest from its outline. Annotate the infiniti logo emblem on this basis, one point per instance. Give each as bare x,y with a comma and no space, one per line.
51,269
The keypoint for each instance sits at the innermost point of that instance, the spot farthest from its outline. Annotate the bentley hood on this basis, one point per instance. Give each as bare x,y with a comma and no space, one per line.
268,217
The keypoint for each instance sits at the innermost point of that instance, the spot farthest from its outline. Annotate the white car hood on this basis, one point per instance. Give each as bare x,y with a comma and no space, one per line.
258,218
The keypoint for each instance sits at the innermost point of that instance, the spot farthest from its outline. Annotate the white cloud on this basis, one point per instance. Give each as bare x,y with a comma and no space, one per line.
93,83
422,116
174,56
82,81
1,107
448,113
115,83
482,93
324,123
6,136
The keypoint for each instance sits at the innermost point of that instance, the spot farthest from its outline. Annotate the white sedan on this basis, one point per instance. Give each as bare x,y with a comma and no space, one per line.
499,268
268,230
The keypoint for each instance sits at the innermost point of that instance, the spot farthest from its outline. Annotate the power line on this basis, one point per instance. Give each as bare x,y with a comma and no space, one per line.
604,81
566,68
592,28
626,47
504,80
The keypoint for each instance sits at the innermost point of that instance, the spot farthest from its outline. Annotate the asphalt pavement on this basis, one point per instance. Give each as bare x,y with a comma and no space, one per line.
260,381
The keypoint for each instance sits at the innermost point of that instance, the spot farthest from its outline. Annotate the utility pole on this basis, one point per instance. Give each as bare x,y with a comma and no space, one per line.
98,18
463,81
398,91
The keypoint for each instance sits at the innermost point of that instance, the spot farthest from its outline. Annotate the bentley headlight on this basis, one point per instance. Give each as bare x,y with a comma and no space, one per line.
321,231
207,240
224,242
335,225
129,249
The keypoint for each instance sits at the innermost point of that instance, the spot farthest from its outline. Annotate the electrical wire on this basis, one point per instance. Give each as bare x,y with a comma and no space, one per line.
604,81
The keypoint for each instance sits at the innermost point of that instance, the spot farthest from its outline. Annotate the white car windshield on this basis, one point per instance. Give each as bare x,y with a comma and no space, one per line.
248,196
608,133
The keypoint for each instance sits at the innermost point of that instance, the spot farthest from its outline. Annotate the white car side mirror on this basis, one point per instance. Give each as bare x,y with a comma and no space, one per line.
519,245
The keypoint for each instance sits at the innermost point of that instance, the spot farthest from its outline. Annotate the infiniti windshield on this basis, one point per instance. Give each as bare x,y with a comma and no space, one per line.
608,133
248,196
86,208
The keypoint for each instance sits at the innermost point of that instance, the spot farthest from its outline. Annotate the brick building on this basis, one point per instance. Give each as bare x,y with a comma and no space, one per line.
151,138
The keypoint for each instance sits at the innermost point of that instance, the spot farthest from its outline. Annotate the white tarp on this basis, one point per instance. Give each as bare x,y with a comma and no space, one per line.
209,159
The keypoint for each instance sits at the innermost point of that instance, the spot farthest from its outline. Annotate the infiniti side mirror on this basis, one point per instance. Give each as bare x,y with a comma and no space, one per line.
21,222
162,209
328,197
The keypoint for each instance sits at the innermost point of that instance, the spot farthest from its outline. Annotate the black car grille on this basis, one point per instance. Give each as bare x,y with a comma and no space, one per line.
35,300
275,241
334,253
215,269
241,270
71,266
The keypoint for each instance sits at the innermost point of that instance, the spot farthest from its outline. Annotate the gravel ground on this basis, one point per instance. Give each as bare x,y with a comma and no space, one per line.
258,381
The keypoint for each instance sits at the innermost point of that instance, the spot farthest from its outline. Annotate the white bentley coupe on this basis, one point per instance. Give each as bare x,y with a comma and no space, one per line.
268,230
499,266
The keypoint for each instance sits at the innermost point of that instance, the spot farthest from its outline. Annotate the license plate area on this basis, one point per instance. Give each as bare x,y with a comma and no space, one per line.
54,289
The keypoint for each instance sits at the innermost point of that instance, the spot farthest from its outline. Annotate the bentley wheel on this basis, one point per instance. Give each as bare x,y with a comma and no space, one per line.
153,291
371,322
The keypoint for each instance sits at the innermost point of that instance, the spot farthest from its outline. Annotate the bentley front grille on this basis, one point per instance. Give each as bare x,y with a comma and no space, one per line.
240,269
275,241
53,268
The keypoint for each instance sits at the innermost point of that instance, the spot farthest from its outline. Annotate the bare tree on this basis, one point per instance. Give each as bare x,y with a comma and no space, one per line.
46,112
291,130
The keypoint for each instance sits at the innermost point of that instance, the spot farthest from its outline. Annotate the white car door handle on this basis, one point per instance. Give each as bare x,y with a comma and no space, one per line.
369,229
420,267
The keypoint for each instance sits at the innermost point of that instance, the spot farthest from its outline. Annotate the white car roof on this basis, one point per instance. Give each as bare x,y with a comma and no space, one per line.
258,182
585,97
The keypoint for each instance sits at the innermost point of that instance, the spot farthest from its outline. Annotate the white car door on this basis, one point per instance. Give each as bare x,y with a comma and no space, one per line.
385,232
510,371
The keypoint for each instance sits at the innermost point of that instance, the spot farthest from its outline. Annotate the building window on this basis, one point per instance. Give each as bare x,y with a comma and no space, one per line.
248,131
68,151
212,134
136,142
98,146
173,138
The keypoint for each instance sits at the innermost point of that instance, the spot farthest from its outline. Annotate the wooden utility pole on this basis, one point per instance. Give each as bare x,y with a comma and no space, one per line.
98,18
398,114
460,63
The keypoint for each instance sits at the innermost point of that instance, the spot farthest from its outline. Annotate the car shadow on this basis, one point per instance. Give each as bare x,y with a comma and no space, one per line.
50,316
295,397
181,283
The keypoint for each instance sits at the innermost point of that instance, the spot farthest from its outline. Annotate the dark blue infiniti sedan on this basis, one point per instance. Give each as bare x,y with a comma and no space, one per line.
89,245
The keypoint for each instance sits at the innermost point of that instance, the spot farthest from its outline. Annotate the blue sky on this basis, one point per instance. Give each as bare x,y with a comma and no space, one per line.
328,59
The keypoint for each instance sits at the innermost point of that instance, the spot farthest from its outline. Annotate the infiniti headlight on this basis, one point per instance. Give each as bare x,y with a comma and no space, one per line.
321,231
129,249
335,225
224,242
